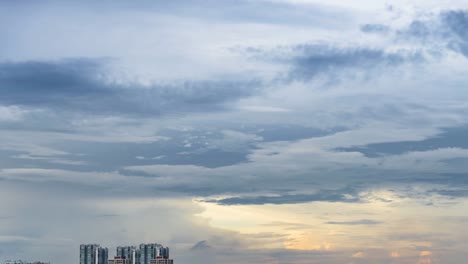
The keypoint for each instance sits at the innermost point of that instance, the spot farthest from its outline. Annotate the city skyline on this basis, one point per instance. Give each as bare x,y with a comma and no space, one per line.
152,253
234,131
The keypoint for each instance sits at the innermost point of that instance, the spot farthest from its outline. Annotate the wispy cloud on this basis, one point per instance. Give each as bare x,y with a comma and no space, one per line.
345,196
356,222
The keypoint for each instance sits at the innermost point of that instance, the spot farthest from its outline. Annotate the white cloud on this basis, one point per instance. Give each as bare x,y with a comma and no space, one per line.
264,109
11,113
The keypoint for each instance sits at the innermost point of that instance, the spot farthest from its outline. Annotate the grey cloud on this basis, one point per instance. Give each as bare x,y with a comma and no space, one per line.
315,59
419,29
344,196
457,20
332,62
206,150
289,226
106,215
287,256
452,193
375,28
357,222
457,23
266,235
456,179
439,190
439,32
203,151
454,137
264,12
290,132
413,236
82,86
308,61
228,10
201,245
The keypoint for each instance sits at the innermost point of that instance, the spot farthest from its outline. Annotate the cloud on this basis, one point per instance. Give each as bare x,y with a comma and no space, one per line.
452,193
447,138
425,253
332,62
232,10
375,28
11,113
322,196
358,255
201,245
264,109
291,226
457,22
329,60
357,222
438,32
84,86
4,239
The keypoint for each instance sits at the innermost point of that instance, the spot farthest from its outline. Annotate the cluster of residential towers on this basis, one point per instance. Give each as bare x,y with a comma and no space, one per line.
144,254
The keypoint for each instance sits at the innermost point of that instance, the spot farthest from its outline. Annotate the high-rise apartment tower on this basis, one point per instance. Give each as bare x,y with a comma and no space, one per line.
93,254
152,251
129,252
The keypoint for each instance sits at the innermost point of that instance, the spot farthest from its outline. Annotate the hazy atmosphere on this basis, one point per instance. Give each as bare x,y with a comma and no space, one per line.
236,131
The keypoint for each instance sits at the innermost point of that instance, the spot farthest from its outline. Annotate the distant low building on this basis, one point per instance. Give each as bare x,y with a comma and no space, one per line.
161,261
120,260
24,262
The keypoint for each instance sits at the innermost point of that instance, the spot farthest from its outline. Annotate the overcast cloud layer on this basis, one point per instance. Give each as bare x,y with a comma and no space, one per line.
286,131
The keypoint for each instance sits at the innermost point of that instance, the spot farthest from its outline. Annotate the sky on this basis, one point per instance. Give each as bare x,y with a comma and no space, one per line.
235,131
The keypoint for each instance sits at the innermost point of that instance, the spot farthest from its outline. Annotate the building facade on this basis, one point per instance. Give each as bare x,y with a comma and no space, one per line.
120,260
144,254
130,253
150,252
162,261
93,254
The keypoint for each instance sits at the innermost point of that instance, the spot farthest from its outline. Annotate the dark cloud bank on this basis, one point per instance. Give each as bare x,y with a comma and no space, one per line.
81,86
